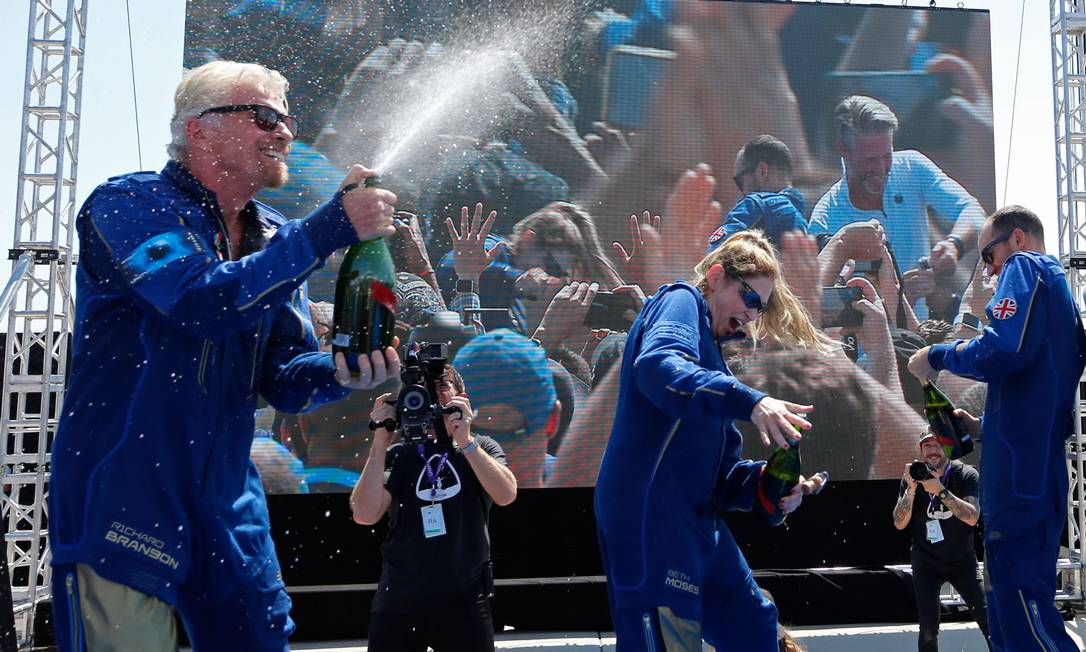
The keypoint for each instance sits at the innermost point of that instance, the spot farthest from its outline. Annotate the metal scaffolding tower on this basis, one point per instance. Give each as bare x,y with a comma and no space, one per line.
40,316
1069,101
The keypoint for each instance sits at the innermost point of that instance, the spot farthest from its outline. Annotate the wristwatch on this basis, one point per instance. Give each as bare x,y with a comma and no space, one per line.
944,494
958,243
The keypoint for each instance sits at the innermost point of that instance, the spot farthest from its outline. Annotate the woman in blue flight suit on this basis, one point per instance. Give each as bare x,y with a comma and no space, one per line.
673,457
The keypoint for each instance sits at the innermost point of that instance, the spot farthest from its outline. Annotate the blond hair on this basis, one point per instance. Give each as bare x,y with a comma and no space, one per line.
785,320
211,85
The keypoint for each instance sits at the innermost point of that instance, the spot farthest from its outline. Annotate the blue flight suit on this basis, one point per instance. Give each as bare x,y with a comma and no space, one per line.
671,464
775,213
1031,354
152,484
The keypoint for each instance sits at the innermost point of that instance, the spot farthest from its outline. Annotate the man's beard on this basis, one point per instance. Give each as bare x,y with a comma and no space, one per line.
873,185
276,178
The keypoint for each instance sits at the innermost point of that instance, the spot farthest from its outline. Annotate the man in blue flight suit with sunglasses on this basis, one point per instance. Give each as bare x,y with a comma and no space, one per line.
191,305
1031,354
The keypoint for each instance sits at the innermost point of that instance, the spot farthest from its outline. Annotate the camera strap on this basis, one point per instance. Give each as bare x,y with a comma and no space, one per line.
432,474
932,497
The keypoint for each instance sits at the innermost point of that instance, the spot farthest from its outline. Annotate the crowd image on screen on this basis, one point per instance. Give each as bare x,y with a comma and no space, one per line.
547,198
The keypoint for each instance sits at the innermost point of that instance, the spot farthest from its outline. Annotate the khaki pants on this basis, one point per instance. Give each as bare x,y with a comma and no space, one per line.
117,618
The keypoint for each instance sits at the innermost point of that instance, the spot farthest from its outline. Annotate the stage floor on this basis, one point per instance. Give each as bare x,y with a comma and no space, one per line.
959,637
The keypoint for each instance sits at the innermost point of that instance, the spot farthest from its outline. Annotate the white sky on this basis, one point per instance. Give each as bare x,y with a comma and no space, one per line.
108,132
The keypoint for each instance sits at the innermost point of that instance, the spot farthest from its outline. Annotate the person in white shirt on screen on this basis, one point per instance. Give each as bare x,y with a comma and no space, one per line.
897,188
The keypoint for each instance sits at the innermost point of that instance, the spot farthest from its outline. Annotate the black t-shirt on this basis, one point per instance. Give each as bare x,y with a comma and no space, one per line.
448,568
957,543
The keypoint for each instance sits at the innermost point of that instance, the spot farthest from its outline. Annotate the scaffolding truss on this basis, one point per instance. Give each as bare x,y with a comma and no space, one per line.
39,320
1068,23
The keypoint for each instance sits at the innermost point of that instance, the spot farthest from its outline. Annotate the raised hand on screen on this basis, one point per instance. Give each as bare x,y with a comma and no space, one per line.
799,266
643,261
690,217
564,317
470,255
412,243
874,335
548,136
609,146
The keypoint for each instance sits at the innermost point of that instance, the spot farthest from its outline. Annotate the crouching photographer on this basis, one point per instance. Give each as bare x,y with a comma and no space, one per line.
437,484
938,503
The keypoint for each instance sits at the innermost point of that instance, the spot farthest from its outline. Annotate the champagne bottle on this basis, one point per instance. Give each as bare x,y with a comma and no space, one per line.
949,430
780,476
364,314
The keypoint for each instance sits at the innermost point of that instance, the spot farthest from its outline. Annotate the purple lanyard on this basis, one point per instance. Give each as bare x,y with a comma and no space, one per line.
934,499
431,473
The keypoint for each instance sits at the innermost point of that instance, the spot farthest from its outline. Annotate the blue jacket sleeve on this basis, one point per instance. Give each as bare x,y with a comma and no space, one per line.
143,246
667,368
497,285
1017,319
738,219
294,376
737,488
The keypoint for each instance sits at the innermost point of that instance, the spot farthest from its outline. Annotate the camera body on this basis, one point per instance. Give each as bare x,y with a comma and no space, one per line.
837,308
919,470
417,406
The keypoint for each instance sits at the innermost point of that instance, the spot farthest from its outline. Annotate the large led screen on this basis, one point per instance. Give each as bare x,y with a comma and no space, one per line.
618,142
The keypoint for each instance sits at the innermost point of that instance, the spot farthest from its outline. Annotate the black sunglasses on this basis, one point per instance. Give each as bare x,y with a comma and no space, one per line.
751,299
265,117
738,179
986,252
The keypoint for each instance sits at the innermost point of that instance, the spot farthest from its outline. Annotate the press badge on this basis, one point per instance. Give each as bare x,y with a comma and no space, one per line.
935,531
433,521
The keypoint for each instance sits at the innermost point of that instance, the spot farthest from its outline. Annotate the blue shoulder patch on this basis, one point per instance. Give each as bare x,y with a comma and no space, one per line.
157,252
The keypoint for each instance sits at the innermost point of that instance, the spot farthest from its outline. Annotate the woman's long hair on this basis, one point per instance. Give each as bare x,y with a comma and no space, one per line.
785,320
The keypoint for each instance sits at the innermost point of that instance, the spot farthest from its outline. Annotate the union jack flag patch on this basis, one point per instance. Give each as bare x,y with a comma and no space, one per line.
1004,308
719,233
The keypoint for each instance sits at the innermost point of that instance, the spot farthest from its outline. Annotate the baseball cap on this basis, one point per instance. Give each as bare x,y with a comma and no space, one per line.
416,301
503,366
926,435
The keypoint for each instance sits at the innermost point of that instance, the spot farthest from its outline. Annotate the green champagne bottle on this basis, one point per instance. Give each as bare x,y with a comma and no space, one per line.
780,476
949,429
364,315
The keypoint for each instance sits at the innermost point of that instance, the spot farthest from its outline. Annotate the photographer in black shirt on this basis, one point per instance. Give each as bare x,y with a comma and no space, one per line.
435,577
938,498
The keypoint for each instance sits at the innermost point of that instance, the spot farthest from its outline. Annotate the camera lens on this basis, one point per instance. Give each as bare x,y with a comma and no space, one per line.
919,470
414,400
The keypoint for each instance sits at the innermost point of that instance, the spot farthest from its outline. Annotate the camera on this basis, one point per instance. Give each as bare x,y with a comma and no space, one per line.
837,308
920,470
417,406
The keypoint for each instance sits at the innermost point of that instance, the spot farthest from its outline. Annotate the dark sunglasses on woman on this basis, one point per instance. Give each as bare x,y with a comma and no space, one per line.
751,299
